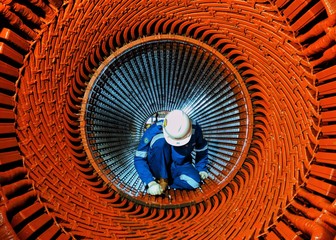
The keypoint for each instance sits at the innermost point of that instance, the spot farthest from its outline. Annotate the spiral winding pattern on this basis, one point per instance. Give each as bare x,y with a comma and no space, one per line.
122,95
281,52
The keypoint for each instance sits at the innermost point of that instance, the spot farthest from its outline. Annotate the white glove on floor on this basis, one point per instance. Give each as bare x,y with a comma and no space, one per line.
203,174
154,188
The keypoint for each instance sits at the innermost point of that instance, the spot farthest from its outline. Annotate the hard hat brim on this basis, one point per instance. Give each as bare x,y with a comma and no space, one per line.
177,142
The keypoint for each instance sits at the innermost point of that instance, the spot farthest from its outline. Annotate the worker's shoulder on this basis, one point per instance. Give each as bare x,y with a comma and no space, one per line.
195,124
155,128
196,128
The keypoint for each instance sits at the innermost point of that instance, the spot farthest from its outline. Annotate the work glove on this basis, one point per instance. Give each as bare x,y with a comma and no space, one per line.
203,174
154,188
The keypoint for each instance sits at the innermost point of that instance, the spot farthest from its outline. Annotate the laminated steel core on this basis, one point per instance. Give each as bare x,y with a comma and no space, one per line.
163,73
79,79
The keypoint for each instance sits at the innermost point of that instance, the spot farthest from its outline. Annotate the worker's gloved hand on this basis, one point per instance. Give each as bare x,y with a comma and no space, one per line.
203,174
154,188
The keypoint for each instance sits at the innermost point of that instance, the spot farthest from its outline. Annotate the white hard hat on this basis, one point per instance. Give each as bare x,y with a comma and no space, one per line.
177,128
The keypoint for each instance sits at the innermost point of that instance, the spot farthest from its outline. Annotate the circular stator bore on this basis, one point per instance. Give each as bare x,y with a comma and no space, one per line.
162,73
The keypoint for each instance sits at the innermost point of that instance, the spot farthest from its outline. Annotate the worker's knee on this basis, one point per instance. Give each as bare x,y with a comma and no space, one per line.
193,183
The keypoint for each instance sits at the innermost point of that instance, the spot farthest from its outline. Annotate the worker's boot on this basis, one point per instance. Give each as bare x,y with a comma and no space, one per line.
163,183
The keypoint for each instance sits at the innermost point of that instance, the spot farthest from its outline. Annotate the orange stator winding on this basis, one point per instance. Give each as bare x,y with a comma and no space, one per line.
259,75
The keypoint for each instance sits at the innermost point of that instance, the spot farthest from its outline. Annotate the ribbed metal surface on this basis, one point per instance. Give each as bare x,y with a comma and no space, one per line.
162,75
285,188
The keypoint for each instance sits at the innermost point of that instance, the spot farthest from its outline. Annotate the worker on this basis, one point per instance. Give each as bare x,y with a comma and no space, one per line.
163,157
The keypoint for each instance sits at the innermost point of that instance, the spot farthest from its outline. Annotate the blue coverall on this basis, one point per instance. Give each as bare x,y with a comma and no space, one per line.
155,158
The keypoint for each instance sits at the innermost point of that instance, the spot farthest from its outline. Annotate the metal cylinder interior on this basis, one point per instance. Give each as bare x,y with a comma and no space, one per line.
162,74
259,75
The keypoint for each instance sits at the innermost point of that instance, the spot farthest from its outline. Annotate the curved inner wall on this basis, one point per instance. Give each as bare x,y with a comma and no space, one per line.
279,68
180,73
